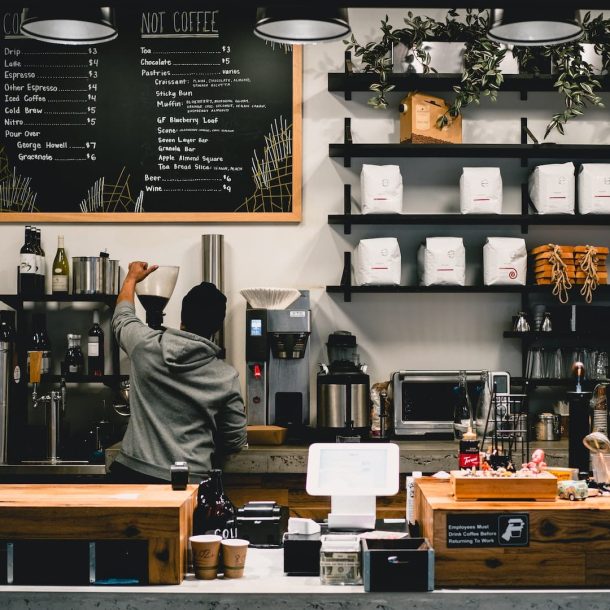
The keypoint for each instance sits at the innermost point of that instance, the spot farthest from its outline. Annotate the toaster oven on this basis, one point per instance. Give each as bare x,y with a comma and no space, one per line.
424,401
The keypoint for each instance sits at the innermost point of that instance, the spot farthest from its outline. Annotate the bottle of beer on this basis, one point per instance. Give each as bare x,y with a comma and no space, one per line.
215,514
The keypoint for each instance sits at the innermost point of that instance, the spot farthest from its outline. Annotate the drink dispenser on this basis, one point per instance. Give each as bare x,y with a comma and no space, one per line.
278,325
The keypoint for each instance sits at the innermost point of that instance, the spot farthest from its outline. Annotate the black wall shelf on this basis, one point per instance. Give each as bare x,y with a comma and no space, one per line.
348,82
558,334
16,300
108,380
574,152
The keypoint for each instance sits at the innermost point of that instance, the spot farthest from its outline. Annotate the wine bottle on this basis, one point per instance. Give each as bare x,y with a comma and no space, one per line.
27,266
95,347
42,265
61,269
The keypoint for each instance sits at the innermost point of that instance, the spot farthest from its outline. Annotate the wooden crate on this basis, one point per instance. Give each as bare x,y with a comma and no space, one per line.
568,542
541,487
154,513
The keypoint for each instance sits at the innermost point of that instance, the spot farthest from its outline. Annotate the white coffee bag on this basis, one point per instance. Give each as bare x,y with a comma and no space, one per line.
377,262
481,190
381,189
552,188
504,261
594,188
442,261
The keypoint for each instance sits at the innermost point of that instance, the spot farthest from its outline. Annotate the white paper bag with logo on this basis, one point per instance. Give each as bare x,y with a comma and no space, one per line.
381,189
504,261
441,261
594,188
552,188
377,262
481,190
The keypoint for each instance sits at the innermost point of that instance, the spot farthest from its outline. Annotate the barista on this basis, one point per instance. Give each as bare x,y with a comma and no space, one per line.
185,402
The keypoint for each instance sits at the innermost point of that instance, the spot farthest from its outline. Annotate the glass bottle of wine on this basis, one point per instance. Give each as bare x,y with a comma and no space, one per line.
61,269
27,266
95,347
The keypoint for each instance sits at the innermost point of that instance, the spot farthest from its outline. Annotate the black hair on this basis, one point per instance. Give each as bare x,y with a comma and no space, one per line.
203,310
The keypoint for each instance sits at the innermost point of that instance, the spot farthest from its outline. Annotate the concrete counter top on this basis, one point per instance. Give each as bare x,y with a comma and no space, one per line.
427,456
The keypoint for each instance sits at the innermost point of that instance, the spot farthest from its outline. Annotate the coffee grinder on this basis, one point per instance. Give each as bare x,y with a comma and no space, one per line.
278,325
155,291
343,391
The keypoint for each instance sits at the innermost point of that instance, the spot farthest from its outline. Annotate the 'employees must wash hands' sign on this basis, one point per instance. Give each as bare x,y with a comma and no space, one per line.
487,530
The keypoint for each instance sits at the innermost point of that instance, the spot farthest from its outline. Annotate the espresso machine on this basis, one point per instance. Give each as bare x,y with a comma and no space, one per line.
277,362
343,391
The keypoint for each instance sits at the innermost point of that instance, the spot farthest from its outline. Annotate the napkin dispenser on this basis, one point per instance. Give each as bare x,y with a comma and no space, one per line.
262,523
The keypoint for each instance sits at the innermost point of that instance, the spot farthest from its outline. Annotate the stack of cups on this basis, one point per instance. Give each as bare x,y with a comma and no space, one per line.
207,552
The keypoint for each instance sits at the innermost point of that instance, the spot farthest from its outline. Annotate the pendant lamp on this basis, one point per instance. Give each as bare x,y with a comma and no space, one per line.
534,27
69,26
301,24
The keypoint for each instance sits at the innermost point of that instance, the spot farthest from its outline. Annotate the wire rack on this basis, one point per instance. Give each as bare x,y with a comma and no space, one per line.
507,430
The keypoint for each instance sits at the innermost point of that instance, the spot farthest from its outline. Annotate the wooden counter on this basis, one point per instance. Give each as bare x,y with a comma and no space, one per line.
154,513
564,544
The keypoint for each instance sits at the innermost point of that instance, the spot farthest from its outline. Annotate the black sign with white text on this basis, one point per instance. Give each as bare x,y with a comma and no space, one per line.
467,530
186,111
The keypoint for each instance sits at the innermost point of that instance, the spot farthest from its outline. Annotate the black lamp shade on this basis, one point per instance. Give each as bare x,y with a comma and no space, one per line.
301,24
534,27
69,26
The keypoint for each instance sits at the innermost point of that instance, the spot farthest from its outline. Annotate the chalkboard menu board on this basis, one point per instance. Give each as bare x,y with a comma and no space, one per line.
185,116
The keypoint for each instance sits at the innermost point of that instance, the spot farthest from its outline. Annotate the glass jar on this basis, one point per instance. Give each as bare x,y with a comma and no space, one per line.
74,360
340,560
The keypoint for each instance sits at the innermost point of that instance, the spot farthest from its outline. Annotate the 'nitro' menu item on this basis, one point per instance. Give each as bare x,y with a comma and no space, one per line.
185,112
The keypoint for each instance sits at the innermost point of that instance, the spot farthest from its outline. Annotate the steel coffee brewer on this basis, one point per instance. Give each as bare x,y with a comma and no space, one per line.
278,325
343,390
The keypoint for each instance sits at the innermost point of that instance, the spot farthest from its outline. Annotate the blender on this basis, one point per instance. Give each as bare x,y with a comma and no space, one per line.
343,391
155,291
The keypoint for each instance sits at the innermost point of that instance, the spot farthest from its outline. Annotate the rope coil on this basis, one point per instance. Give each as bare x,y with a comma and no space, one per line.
588,263
559,274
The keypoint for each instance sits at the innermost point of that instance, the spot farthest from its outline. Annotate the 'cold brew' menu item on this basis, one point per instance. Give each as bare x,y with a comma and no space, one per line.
185,113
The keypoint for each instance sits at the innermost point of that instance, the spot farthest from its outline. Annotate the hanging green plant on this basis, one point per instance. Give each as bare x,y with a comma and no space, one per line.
481,74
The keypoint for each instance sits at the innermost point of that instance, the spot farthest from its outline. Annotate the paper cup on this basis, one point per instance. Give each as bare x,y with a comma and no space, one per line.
206,551
234,552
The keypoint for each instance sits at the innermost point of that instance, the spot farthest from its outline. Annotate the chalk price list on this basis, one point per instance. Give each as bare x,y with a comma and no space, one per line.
50,96
188,110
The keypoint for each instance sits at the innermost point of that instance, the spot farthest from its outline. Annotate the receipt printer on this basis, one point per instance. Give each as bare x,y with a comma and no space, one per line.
262,523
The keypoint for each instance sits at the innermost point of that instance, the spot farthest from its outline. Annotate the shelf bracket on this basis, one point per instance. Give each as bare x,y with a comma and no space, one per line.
524,208
348,69
347,140
524,131
346,277
347,209
523,95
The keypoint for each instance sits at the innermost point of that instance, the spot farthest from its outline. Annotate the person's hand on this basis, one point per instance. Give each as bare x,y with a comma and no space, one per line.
139,271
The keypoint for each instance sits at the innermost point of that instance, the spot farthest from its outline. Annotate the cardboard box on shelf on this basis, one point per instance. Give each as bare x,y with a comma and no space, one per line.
418,115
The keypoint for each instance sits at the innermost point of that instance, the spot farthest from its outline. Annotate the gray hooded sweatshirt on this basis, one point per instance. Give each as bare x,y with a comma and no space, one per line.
183,399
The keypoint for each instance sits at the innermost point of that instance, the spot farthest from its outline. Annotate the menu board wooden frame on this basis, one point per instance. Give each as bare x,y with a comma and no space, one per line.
205,217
